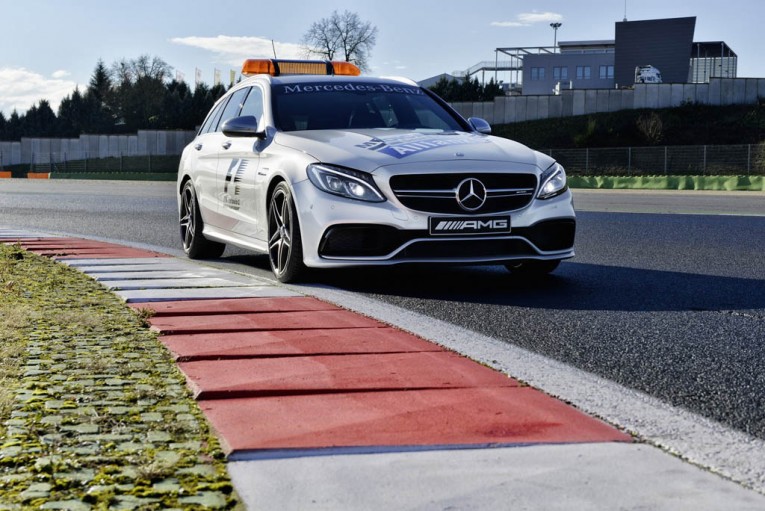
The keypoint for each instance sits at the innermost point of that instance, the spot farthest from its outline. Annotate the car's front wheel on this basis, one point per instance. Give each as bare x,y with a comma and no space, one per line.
285,248
190,221
532,267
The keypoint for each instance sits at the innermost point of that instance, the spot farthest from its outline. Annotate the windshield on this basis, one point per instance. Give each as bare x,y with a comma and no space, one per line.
341,105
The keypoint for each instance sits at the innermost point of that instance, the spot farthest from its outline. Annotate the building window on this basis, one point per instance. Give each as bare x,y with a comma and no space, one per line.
583,72
560,73
606,72
537,73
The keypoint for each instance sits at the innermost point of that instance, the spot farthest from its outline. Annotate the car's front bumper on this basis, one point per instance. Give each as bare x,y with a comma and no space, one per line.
342,232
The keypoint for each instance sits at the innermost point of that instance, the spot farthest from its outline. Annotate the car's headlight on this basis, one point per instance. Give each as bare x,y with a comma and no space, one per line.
344,182
553,182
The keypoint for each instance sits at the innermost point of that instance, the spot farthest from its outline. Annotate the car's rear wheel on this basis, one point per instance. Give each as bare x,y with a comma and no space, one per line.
285,247
532,267
191,225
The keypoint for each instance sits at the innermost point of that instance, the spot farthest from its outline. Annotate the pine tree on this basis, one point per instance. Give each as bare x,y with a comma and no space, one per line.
99,115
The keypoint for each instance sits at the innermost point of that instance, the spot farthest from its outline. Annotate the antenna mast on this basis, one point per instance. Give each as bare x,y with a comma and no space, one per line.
625,10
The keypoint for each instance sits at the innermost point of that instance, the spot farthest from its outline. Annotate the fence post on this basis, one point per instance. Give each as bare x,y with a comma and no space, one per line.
149,162
748,158
587,160
704,169
629,161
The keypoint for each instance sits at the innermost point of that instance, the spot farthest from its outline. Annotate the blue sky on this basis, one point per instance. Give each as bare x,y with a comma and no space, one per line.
51,46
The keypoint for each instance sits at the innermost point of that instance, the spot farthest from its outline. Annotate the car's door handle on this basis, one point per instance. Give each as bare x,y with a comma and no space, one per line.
198,147
226,144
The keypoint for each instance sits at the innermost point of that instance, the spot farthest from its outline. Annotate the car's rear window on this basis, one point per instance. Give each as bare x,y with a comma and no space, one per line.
356,105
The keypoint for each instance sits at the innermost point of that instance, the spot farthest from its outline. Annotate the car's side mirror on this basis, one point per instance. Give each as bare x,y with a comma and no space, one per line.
480,125
245,126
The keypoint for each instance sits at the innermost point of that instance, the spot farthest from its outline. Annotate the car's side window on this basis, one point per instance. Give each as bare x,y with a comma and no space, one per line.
232,107
253,105
212,119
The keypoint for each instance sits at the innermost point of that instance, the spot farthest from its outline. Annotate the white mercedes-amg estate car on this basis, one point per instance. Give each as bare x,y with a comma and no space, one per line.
319,167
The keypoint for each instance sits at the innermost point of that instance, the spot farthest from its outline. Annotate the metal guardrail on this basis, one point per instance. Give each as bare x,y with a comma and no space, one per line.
744,159
489,65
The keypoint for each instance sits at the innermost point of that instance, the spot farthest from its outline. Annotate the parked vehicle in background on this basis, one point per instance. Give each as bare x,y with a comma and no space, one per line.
647,74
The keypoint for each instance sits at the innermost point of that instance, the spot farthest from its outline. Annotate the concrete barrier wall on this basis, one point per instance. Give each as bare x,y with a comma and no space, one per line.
719,91
144,143
10,153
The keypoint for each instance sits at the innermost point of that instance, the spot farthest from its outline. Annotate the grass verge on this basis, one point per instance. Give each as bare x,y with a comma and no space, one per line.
94,414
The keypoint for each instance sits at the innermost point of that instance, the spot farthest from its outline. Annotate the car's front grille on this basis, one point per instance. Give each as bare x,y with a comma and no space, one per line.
437,193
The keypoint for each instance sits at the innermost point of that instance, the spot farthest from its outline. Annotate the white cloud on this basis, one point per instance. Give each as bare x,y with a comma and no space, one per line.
391,64
526,19
61,73
539,17
21,88
508,24
233,50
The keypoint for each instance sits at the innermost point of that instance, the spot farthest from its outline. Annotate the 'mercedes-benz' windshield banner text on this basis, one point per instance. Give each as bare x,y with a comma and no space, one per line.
308,88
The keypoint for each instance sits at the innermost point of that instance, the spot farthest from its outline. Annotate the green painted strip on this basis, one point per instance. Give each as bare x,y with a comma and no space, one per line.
715,183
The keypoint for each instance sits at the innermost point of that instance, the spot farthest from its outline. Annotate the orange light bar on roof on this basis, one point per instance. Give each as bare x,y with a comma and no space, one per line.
258,67
345,68
275,67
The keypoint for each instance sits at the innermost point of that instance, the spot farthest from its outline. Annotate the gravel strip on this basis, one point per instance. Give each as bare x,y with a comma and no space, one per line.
101,418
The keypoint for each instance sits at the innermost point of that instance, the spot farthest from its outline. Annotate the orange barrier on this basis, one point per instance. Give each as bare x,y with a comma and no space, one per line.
38,175
5,174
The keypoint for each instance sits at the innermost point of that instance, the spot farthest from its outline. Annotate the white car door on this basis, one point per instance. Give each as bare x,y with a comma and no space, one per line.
240,165
205,166
221,146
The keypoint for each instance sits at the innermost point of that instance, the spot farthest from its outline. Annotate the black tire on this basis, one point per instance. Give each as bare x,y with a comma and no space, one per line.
532,267
190,222
285,247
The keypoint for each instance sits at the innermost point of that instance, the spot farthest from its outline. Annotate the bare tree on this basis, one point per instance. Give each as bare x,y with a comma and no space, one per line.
129,71
341,36
651,127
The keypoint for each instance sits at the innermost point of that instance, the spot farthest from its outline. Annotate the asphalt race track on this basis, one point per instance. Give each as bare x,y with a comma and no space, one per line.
666,294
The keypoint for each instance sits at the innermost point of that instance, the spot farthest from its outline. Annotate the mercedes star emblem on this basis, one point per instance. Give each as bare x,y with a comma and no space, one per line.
471,194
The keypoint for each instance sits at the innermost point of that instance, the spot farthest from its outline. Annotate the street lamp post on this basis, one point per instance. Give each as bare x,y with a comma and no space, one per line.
555,26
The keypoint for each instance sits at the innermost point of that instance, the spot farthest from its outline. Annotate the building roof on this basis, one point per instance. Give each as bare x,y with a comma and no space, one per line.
711,49
602,42
429,82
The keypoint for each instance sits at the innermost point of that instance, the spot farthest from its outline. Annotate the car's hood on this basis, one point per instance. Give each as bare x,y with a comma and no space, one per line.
369,150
